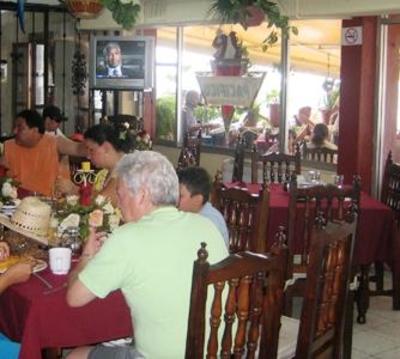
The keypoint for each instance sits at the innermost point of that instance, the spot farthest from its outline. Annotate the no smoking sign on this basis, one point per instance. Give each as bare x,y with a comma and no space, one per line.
352,36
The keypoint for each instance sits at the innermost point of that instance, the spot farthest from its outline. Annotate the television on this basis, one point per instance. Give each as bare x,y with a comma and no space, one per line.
121,63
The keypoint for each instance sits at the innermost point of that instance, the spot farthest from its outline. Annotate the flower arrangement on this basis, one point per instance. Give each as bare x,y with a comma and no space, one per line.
124,12
143,141
9,191
245,11
100,214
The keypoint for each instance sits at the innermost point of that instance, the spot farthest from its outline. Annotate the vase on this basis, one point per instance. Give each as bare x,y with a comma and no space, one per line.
84,9
254,16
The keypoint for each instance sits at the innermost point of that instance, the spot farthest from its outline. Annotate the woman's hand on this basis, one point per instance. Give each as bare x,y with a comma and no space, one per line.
4,251
19,272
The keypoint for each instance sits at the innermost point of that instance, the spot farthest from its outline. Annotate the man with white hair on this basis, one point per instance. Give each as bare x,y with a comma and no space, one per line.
150,258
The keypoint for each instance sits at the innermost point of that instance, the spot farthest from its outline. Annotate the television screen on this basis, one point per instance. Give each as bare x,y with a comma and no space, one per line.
120,63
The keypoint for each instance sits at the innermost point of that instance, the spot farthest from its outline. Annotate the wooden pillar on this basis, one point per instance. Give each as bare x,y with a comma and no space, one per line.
356,126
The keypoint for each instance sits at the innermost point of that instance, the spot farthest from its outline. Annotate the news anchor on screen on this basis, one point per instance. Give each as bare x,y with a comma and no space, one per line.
113,63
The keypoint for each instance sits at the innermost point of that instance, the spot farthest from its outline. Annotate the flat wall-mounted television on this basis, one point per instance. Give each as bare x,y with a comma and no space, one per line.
121,63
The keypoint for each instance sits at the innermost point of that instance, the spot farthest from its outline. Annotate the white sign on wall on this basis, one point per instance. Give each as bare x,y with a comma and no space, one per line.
229,90
352,36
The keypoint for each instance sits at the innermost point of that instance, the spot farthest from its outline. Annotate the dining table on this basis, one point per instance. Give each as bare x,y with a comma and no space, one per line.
373,239
40,318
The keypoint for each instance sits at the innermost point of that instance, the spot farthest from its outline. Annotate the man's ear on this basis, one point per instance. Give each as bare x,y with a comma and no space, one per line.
197,200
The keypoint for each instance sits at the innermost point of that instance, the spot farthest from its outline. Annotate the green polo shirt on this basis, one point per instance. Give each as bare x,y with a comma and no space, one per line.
151,261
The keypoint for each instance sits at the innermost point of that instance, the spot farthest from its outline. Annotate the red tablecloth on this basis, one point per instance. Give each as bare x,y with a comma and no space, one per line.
40,321
373,240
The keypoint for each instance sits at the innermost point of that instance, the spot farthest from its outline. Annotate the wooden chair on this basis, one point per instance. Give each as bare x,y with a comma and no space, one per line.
190,152
390,196
320,154
246,217
252,300
277,167
330,201
320,333
306,206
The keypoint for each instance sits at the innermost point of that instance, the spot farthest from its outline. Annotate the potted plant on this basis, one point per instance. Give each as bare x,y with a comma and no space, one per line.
124,12
252,13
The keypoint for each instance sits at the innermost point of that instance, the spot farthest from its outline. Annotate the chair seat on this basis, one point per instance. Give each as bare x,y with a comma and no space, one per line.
288,337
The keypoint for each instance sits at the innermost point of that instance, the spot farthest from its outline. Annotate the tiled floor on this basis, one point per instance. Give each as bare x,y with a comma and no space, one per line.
380,336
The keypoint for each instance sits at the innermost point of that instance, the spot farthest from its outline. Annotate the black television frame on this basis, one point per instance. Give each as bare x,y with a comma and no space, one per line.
137,57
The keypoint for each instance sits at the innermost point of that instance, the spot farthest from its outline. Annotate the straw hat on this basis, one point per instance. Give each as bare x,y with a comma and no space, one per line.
31,219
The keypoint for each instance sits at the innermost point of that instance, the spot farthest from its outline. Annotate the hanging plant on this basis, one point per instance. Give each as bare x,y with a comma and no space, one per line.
124,12
249,13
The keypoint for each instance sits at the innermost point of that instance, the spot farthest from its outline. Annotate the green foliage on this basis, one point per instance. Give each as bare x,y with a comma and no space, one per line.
124,13
166,117
332,98
206,114
235,11
273,96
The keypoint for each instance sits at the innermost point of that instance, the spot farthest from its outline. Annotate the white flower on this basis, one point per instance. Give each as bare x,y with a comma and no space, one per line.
108,208
113,221
99,200
71,221
72,200
8,190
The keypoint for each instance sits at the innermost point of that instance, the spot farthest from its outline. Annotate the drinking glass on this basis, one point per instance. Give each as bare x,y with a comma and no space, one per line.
338,180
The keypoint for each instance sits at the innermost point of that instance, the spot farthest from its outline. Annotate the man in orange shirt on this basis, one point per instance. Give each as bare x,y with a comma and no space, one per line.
32,157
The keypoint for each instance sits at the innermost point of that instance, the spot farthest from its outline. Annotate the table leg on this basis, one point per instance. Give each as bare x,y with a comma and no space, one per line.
348,326
362,296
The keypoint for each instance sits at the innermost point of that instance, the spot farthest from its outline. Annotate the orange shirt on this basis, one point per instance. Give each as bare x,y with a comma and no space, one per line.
35,168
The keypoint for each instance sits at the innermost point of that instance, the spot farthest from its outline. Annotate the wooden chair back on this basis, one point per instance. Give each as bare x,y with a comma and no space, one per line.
308,204
320,154
327,285
390,194
238,161
252,299
190,152
246,217
276,167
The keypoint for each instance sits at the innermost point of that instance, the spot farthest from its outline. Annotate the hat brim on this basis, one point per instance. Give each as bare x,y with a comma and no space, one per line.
5,221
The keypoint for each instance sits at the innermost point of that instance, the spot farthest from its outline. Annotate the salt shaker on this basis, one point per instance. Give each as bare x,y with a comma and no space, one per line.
71,239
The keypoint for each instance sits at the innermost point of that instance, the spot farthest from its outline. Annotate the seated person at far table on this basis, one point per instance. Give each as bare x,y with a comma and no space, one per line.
319,138
195,187
150,258
32,157
17,273
52,120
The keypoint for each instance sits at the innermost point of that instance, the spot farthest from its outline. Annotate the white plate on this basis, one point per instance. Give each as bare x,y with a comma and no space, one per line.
40,265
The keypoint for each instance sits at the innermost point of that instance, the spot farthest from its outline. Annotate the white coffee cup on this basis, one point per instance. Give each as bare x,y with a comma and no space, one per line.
60,260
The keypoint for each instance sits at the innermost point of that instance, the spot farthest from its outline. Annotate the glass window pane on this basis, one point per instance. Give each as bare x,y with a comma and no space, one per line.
198,55
313,90
166,84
